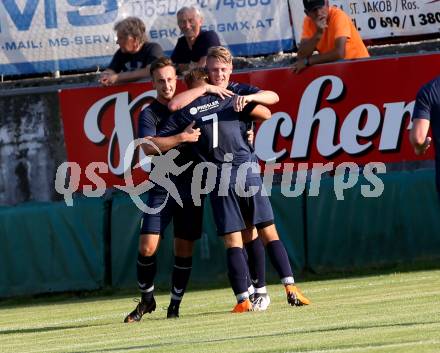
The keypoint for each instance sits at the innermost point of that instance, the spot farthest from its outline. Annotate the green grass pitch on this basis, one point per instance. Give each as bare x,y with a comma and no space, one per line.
382,313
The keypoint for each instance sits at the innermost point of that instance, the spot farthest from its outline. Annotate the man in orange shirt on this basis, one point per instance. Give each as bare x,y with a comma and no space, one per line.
331,32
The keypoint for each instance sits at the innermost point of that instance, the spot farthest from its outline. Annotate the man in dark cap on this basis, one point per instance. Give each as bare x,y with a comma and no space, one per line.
330,31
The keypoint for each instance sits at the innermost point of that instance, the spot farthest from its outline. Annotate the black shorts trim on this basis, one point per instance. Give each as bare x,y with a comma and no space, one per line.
233,231
186,237
264,224
150,233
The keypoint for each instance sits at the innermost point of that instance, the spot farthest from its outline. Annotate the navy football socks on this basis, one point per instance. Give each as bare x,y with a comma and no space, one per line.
146,271
237,272
280,261
256,262
180,277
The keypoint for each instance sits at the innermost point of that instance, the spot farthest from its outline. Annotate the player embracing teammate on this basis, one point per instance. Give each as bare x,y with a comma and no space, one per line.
222,143
241,217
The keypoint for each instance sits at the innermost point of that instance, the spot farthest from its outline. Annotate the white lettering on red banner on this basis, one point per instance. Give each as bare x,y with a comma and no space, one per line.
354,111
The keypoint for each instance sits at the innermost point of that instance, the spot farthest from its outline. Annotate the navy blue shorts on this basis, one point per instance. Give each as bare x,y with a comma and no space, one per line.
188,221
156,223
234,213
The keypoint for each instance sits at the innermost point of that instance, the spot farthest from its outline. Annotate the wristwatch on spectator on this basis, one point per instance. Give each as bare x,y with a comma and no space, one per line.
306,62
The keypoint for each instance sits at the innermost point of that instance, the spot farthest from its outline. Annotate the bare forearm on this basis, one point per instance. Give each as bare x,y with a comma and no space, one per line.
183,99
420,147
164,144
418,135
260,113
307,47
337,53
331,56
416,140
264,97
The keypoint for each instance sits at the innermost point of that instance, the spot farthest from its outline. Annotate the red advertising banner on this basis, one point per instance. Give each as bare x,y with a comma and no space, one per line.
355,111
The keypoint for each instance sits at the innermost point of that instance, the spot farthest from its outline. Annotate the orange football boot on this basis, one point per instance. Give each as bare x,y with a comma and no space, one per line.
242,307
295,296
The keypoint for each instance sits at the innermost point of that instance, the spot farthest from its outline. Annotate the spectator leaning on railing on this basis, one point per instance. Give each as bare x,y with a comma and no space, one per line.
192,48
135,54
330,31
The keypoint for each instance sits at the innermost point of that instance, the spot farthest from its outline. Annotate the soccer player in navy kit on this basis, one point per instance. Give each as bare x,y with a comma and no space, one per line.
219,77
253,247
426,113
223,140
153,225
164,78
219,67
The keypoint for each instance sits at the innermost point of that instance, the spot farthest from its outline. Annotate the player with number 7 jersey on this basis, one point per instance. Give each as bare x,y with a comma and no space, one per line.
219,69
221,142
221,129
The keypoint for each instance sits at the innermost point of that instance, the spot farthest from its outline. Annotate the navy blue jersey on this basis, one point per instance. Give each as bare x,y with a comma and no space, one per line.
123,62
150,118
220,128
428,102
244,89
150,121
428,107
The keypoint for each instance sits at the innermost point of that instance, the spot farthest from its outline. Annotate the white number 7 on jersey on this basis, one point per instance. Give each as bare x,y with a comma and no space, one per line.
214,118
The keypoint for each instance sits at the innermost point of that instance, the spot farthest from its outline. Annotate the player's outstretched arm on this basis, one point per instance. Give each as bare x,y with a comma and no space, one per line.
418,136
184,98
263,97
181,100
164,144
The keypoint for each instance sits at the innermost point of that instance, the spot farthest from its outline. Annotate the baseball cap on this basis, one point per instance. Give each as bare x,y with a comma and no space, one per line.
309,5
